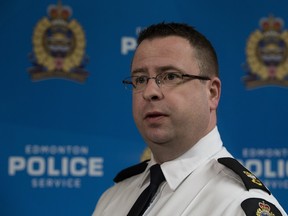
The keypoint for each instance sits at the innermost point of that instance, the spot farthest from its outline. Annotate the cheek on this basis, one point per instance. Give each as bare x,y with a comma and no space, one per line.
136,107
195,105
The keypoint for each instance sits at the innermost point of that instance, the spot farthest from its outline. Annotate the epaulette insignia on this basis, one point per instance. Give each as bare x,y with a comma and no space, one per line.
131,171
259,207
250,181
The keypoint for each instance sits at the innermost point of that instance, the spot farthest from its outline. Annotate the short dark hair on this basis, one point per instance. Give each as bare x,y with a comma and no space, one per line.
205,53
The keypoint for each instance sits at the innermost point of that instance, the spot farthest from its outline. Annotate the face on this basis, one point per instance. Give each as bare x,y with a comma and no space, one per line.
172,117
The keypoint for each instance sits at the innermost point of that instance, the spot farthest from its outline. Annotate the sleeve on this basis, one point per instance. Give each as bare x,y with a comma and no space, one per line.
255,203
102,203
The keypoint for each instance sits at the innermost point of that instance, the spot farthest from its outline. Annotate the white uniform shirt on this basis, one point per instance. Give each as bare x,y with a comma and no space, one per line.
196,185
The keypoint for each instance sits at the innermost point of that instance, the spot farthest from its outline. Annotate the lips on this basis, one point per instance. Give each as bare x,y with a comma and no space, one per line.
154,115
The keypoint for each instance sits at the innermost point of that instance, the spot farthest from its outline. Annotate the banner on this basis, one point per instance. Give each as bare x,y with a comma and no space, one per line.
66,126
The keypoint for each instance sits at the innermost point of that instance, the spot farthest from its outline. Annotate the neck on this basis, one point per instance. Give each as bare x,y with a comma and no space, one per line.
171,150
165,155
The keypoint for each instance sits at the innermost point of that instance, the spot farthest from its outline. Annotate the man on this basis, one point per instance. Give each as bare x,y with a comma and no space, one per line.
176,91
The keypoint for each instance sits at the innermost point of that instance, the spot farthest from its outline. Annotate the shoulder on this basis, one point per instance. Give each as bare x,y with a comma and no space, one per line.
249,180
256,199
131,171
259,206
126,189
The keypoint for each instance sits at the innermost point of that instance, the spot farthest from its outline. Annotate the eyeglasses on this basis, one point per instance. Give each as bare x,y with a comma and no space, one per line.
138,83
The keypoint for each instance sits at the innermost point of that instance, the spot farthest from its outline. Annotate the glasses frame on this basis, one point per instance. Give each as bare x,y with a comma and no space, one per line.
127,81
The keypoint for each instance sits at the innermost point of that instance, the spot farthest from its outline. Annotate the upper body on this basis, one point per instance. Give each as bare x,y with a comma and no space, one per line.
176,91
196,184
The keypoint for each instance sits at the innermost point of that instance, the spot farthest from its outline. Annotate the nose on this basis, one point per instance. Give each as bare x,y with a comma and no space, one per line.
152,90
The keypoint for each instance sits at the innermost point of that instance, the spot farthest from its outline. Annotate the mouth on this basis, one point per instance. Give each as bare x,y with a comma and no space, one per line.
154,115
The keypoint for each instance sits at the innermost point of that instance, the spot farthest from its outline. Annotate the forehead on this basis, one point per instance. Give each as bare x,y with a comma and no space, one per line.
161,52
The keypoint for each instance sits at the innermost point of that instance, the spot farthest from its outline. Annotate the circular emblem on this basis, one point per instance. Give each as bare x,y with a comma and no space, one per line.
267,54
58,47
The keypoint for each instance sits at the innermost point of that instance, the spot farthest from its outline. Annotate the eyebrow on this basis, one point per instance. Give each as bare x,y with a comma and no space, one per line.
139,70
158,70
168,67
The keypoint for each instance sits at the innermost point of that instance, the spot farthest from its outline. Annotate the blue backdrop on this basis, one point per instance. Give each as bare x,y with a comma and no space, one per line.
63,138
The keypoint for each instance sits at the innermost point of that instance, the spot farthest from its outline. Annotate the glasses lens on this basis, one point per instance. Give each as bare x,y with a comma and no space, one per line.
135,83
171,78
139,82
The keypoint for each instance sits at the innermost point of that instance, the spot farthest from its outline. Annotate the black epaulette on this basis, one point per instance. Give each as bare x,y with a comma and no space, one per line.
131,171
256,206
250,181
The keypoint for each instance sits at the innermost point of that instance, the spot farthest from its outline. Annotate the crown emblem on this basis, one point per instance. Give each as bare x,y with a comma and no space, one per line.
271,24
58,46
264,210
267,54
59,12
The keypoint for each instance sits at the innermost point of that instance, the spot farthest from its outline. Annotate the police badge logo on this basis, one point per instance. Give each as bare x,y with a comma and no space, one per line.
264,210
58,47
267,55
259,207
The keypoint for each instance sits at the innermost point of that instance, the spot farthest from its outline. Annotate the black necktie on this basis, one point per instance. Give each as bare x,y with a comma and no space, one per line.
143,201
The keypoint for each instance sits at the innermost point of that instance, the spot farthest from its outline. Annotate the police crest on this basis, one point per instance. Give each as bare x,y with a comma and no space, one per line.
264,210
259,207
58,47
267,55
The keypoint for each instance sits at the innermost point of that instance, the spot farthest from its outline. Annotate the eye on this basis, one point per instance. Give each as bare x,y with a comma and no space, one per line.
140,80
172,76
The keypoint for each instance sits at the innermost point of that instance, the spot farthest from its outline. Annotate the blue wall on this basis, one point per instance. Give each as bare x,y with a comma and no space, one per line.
62,142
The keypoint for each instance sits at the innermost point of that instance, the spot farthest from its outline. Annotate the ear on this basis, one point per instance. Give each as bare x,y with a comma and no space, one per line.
214,92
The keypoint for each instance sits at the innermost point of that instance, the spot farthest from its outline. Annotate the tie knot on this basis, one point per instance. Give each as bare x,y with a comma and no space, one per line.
156,175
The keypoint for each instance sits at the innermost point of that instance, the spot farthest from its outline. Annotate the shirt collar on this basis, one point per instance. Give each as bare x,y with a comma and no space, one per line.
177,170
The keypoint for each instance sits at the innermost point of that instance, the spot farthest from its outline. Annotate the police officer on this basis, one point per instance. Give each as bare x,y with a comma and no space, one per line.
176,91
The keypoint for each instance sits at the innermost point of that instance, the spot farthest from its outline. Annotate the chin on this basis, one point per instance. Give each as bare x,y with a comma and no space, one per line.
157,140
